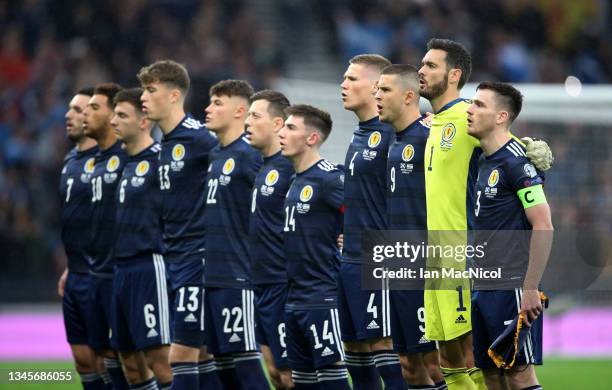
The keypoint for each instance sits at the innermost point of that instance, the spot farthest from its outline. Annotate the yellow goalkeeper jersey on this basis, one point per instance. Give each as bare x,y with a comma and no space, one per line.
452,165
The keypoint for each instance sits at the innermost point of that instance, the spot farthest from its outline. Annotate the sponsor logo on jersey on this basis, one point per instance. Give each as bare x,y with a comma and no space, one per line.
113,164
493,178
228,166
530,170
235,338
178,152
152,333
190,318
327,352
306,193
448,133
142,168
374,139
461,320
423,340
373,325
408,153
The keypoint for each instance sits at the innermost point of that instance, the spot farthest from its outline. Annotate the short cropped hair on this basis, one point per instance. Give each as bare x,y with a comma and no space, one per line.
166,72
313,117
87,91
132,96
457,57
374,60
506,95
407,73
230,88
109,90
277,102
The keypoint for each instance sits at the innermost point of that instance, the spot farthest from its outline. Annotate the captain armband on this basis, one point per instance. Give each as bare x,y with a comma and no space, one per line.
532,196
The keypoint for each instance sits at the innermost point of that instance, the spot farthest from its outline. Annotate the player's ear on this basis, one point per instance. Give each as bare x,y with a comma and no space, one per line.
374,88
502,117
313,138
175,96
278,124
408,96
454,75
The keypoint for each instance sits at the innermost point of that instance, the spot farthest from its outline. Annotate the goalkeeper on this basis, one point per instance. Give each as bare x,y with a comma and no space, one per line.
451,158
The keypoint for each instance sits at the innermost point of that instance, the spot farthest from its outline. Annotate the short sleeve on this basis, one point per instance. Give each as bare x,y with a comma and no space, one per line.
334,194
522,174
204,142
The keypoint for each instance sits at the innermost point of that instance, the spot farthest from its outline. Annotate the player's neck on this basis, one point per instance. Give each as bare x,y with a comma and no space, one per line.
140,144
406,119
305,160
85,143
451,94
494,141
272,148
170,122
366,113
107,139
230,134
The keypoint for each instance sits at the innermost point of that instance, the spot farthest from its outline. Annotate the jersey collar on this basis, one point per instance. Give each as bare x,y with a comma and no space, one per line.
450,104
410,126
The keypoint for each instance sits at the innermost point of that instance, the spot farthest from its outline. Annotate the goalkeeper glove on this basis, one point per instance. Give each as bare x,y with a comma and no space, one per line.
539,153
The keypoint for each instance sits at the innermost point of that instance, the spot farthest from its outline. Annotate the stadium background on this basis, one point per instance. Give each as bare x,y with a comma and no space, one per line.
48,49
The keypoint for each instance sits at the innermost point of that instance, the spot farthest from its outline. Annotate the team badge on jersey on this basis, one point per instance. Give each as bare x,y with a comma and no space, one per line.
88,169
112,164
490,190
178,152
228,168
374,139
267,189
448,133
407,155
306,193
142,168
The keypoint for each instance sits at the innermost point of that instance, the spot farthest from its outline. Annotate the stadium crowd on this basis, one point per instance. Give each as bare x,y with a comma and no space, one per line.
49,49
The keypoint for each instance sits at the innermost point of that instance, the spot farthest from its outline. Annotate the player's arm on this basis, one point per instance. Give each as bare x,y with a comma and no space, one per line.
538,214
61,283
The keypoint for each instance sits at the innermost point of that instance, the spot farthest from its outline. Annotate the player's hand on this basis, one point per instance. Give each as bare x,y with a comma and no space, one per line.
531,305
61,283
428,118
340,242
539,153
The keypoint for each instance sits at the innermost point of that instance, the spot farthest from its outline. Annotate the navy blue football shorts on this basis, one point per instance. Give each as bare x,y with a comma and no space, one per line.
140,308
75,305
492,312
270,320
185,278
313,338
408,322
230,320
99,312
364,314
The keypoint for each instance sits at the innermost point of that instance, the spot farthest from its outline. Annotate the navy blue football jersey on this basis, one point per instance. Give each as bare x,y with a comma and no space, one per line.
104,181
313,220
364,185
75,193
183,163
267,220
229,182
406,207
498,208
138,226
